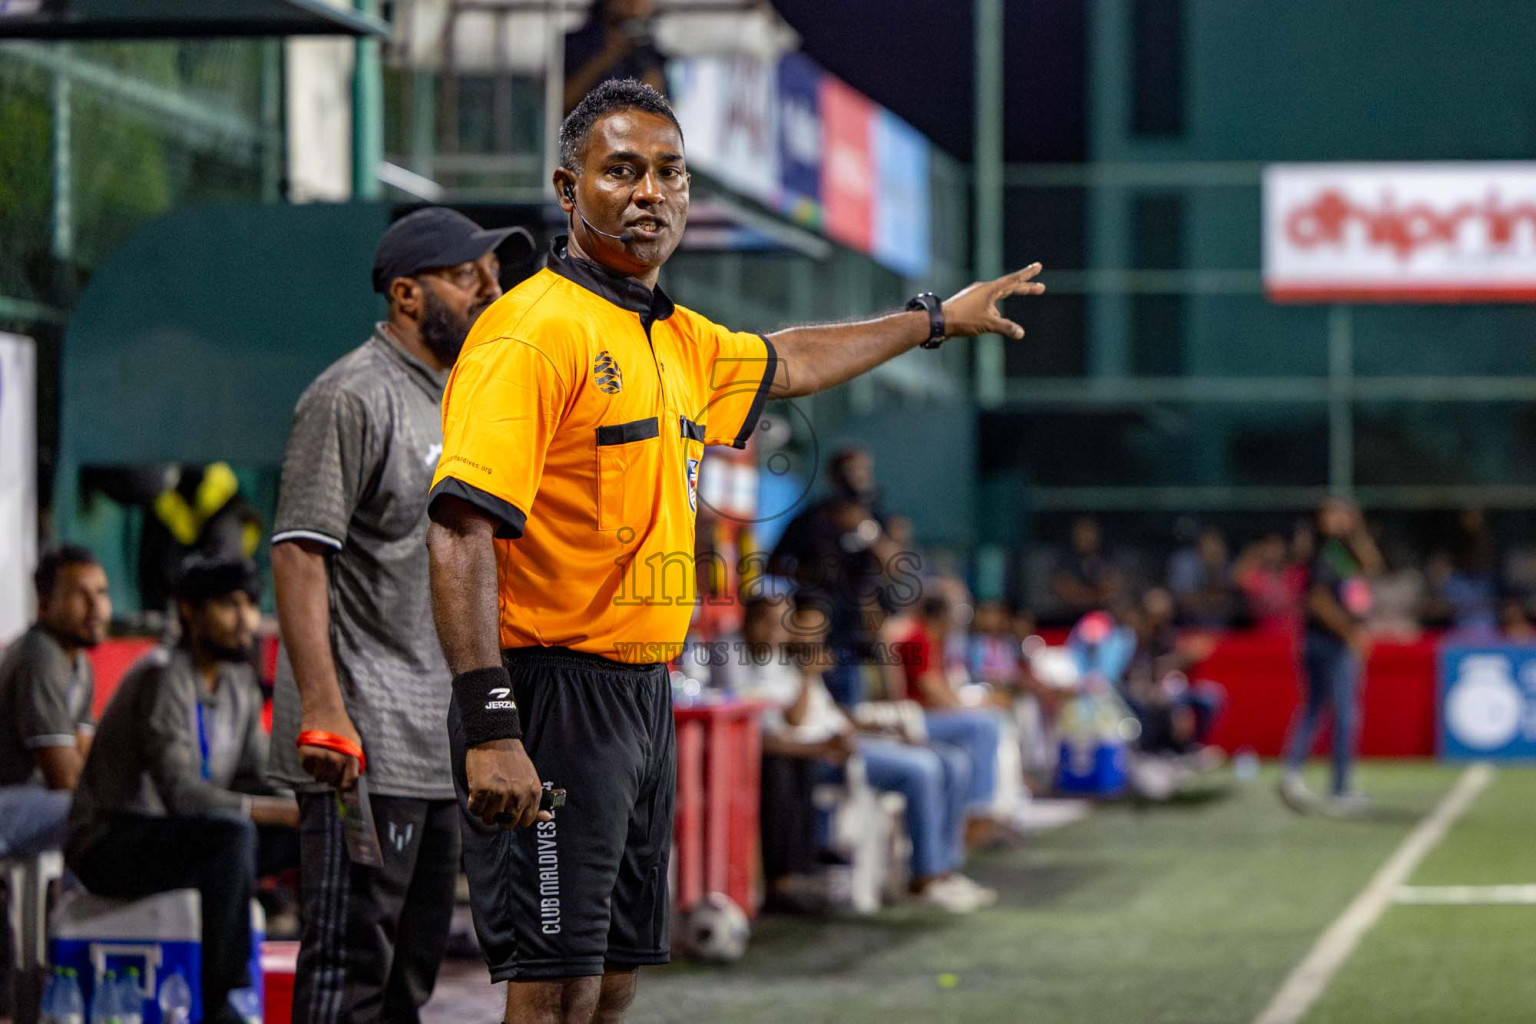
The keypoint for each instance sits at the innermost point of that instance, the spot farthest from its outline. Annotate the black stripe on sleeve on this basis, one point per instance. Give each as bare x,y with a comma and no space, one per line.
510,520
761,398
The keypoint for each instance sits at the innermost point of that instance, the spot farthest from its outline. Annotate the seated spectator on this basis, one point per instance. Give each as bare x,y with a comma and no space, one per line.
802,729
1467,587
1085,578
1399,594
173,789
1201,581
1176,715
1515,623
994,654
974,730
46,690
1103,646
932,781
1274,603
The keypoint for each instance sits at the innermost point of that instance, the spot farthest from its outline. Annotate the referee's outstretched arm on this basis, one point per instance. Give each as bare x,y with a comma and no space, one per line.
823,356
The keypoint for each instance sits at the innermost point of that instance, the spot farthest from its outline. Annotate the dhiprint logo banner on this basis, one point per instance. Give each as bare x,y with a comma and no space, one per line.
1442,232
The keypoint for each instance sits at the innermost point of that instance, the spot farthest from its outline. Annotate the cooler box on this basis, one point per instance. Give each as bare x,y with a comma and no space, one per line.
159,935
279,964
1096,768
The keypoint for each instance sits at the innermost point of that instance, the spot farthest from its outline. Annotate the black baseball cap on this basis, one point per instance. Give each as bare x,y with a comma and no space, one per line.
203,579
433,237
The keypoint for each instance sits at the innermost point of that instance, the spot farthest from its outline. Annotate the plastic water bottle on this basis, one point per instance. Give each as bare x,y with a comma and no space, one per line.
130,998
1245,765
104,1000
175,1000
46,1014
246,1005
67,1004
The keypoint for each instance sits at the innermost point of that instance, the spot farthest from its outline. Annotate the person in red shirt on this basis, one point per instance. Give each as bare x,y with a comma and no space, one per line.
950,722
1272,592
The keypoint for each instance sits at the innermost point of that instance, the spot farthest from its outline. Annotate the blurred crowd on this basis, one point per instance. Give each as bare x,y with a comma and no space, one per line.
882,672
1458,582
879,665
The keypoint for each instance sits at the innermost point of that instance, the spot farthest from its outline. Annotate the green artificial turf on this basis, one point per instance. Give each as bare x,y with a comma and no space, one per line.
1435,964
1189,913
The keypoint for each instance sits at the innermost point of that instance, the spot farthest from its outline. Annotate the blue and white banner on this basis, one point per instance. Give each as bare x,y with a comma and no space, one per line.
729,113
770,131
800,139
901,196
1488,702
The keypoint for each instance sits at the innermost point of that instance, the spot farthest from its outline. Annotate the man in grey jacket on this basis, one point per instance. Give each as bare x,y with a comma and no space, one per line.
360,662
173,788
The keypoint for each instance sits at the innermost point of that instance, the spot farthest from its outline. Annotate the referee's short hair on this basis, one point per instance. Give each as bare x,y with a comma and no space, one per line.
609,97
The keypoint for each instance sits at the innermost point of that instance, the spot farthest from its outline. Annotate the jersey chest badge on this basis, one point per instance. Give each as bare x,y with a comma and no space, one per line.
605,371
693,484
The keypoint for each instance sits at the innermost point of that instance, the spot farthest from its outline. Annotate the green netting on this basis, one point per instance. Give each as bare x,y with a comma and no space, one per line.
151,126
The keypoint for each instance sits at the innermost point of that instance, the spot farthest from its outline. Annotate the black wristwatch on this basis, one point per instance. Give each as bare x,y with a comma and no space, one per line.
935,308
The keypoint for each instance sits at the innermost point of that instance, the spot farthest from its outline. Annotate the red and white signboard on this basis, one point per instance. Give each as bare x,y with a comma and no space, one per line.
1434,232
847,164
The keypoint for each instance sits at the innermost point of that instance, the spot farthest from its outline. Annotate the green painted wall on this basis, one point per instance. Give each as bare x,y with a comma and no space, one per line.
193,341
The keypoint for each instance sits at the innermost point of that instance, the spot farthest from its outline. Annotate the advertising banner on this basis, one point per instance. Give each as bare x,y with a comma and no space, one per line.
800,139
1431,232
847,165
728,110
1488,702
901,196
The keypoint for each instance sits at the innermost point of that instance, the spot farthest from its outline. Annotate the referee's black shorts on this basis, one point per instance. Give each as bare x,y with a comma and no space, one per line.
566,897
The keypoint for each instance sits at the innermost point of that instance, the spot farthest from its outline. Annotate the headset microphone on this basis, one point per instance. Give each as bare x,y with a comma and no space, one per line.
623,237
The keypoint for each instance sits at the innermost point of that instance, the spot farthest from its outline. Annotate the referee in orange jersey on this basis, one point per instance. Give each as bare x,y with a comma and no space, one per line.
562,539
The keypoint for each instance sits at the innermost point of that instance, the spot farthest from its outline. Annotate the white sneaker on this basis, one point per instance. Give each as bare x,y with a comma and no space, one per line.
1295,794
984,896
1349,805
946,895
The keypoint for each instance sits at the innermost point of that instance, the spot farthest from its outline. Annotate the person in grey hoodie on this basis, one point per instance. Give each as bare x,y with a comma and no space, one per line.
174,787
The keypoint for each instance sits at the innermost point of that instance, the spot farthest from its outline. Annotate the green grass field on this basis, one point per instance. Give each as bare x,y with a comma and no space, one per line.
1189,913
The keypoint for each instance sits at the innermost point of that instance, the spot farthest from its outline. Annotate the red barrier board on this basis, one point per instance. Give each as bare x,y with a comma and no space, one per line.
110,661
1261,674
719,765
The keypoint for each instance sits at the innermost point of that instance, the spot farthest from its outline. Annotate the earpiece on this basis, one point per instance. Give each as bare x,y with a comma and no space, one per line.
623,237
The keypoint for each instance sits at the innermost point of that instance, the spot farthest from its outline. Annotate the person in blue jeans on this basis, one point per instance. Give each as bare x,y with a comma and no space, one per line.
789,648
1334,649
934,780
950,723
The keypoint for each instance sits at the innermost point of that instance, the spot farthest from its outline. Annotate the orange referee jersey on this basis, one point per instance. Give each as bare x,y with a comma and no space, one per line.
576,416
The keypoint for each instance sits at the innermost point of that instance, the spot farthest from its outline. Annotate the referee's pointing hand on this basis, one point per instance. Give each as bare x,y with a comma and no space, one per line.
503,781
973,311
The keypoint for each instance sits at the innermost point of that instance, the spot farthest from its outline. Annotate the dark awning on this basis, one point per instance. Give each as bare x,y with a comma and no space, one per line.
180,19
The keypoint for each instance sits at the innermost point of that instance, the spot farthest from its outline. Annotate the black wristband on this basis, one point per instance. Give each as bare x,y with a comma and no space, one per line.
486,708
935,308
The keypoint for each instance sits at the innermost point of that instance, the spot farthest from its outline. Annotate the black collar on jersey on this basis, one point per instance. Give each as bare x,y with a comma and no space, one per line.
624,292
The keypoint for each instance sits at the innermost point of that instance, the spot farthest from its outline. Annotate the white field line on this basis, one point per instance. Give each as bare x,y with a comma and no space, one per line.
1467,895
1311,977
